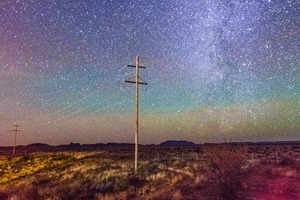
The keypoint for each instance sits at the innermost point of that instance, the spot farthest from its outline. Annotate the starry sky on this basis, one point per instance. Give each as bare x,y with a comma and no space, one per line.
218,70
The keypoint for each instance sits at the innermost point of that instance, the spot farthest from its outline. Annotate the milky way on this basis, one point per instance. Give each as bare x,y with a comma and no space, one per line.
217,70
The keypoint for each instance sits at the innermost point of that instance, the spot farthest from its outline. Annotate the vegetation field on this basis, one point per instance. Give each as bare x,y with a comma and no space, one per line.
220,172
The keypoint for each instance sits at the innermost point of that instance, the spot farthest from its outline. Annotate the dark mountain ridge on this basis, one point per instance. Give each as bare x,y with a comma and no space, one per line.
177,143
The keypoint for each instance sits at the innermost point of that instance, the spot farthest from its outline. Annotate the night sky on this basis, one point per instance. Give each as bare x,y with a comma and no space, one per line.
221,70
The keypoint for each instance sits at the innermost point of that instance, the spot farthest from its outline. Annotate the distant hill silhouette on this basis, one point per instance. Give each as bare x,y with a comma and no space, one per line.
177,143
38,145
42,147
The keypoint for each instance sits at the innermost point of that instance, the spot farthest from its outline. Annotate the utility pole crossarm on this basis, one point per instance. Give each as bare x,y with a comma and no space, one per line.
143,67
141,83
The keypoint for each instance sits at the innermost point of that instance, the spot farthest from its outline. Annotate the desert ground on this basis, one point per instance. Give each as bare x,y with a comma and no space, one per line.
208,172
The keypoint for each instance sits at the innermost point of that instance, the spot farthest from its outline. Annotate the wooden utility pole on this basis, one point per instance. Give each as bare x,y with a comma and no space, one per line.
15,131
137,82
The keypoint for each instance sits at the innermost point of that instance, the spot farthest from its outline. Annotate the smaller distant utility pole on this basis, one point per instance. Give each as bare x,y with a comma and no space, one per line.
15,131
137,82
